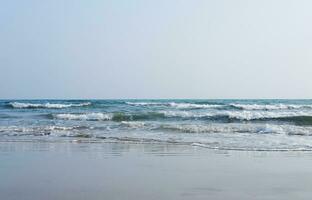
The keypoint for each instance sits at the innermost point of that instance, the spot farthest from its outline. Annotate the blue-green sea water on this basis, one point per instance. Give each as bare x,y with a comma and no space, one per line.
260,125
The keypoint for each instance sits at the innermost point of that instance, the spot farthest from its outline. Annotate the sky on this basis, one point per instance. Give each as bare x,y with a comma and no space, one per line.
155,49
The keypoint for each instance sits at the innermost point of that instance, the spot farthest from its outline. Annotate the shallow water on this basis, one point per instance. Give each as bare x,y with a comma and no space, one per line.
246,125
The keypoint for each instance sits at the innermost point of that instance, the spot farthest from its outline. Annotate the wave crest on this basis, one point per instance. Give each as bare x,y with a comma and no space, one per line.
176,105
269,107
119,117
193,105
88,116
46,105
298,118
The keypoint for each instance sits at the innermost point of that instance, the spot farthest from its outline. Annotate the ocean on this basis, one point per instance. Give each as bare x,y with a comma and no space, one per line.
244,125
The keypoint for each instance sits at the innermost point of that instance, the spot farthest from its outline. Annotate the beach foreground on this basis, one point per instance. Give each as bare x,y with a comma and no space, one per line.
84,170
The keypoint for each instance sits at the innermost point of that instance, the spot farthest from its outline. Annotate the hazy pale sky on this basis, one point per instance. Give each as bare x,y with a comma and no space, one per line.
156,49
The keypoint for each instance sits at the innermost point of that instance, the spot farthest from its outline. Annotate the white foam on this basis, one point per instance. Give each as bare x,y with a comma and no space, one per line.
46,105
87,116
279,139
36,130
251,115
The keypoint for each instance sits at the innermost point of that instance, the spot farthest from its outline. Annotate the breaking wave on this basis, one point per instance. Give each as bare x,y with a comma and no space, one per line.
110,116
89,116
299,118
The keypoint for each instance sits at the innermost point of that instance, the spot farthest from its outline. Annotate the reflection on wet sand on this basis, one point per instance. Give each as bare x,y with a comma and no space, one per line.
87,170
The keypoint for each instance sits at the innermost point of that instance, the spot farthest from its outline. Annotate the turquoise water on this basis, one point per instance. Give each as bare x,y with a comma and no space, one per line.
261,125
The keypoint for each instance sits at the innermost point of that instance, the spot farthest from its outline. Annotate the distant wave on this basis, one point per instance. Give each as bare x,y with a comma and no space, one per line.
269,107
193,105
176,105
145,103
185,105
46,105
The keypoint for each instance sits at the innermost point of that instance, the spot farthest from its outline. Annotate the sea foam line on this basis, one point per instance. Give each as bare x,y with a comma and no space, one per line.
237,128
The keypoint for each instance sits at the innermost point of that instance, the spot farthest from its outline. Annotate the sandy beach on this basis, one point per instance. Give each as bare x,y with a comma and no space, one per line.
74,171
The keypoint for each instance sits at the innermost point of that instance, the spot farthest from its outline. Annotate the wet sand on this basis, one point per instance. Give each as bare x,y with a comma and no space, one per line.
74,171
